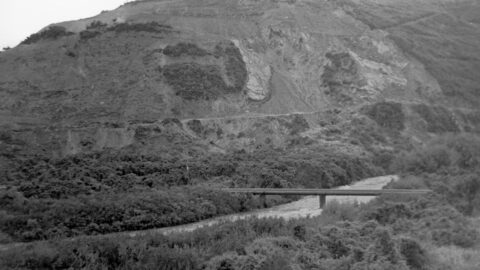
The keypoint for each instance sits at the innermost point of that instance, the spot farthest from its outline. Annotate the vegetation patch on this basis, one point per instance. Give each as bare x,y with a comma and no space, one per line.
187,49
471,120
97,28
388,115
89,34
52,33
96,25
150,27
236,68
112,192
390,232
341,70
448,165
172,121
196,126
244,244
192,81
437,119
296,125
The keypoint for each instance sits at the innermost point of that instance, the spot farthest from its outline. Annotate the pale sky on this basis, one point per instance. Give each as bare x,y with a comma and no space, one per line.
21,18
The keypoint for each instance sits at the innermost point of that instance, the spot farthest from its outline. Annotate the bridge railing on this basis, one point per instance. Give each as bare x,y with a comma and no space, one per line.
322,193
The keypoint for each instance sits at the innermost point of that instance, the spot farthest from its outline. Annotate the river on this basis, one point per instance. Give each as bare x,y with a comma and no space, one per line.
306,207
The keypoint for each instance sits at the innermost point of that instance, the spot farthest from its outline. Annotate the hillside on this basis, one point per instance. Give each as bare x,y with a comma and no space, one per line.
242,75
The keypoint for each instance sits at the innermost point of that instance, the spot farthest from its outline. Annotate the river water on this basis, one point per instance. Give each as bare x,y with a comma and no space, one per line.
306,207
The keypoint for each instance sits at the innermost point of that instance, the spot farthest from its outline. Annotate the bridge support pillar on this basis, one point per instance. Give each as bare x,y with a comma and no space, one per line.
323,200
263,200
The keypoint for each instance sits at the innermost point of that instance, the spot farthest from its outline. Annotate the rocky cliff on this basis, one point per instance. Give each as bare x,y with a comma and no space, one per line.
244,74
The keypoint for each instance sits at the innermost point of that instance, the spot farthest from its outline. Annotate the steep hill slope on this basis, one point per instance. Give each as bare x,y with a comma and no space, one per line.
243,74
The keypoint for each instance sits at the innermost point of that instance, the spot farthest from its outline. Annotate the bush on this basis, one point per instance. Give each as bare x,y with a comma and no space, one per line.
415,256
88,34
150,27
236,68
182,48
96,25
111,192
426,218
51,33
192,81
388,115
438,119
450,152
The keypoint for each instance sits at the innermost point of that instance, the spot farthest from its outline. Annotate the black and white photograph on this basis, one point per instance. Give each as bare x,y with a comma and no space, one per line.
240,134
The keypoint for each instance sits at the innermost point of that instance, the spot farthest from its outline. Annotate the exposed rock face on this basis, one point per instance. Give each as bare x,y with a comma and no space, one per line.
239,67
259,74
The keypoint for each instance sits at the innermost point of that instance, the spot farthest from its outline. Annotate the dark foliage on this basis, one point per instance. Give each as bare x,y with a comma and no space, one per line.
182,48
97,28
36,219
96,25
235,66
388,115
452,152
112,192
297,125
52,33
192,81
150,27
249,244
89,34
342,69
428,218
437,119
415,256
196,126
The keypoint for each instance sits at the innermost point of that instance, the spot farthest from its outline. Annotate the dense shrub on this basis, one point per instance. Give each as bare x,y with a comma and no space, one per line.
297,125
341,70
387,115
110,191
461,190
150,27
437,119
89,34
253,243
415,256
427,218
182,48
34,219
51,33
196,126
339,75
236,68
96,25
192,81
452,152
97,28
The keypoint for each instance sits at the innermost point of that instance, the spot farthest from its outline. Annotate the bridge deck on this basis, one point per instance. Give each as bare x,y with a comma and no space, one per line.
346,192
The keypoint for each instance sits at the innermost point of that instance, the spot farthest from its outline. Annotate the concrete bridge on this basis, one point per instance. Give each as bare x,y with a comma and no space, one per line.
322,193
